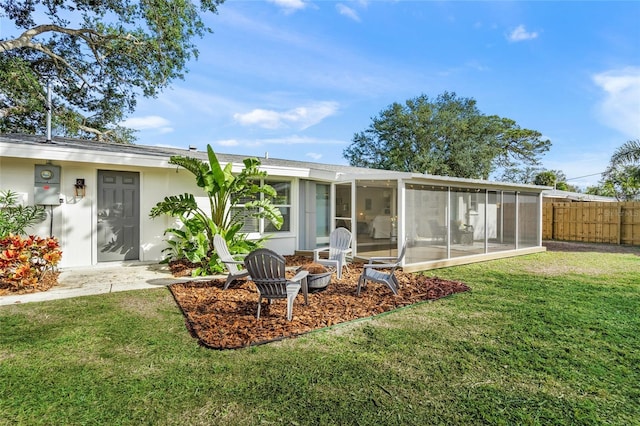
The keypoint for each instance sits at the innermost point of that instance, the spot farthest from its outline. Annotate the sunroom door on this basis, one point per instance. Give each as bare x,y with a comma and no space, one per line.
376,217
323,214
343,205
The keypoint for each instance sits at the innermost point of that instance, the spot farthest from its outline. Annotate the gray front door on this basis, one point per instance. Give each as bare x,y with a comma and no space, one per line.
118,216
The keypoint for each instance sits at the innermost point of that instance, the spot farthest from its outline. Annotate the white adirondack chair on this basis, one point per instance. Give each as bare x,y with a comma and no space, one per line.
339,247
235,267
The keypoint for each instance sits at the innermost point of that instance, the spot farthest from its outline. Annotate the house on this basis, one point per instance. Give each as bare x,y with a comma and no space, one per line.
558,196
98,197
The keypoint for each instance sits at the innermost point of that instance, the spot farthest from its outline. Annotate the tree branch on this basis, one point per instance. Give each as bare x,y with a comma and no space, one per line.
26,38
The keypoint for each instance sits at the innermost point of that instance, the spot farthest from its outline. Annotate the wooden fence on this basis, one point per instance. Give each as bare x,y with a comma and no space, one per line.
594,222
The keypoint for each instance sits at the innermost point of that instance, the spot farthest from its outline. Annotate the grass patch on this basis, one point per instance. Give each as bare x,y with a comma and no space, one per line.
539,340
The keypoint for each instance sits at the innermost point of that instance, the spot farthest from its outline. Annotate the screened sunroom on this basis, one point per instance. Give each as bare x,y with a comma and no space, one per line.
444,221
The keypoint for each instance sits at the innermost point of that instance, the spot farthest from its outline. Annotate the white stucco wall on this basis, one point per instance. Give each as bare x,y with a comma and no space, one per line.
74,221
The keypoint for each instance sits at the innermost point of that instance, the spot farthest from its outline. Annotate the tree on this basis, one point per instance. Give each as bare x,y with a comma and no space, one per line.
621,182
515,174
224,191
621,179
546,178
448,136
555,178
627,155
98,56
604,189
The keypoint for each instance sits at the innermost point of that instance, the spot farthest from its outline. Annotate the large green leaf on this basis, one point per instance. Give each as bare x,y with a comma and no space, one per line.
225,191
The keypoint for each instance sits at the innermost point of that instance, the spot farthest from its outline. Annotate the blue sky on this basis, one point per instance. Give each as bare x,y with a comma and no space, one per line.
298,79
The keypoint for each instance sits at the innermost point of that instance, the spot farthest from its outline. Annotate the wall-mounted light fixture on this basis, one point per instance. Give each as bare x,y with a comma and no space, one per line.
80,188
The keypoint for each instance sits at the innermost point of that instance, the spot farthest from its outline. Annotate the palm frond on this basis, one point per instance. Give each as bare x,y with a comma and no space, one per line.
175,205
194,165
629,152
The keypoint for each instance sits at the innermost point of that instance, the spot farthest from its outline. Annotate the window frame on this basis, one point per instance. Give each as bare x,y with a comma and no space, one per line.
262,225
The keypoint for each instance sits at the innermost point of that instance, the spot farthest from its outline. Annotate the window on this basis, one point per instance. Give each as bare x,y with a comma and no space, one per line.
246,215
282,201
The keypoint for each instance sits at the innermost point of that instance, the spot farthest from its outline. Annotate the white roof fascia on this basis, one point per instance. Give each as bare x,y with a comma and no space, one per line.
382,175
65,153
325,175
422,179
271,170
480,183
283,171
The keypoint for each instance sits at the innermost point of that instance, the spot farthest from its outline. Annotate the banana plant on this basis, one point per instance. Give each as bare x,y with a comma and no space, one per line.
186,241
224,190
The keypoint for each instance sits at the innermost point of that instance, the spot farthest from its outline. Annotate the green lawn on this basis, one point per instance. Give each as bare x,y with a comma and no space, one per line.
544,339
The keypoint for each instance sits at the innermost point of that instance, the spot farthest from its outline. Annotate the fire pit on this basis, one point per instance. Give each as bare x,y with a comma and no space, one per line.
318,282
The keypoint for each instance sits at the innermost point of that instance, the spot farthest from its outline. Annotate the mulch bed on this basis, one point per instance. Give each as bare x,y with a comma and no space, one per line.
226,319
48,280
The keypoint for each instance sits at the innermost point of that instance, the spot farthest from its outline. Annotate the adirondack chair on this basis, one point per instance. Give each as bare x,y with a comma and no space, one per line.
383,273
235,267
267,270
339,242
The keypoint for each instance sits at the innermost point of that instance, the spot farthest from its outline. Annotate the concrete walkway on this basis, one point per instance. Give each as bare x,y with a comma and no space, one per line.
103,278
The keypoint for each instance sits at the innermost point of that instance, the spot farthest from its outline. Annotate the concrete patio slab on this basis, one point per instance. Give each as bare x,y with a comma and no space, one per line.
104,278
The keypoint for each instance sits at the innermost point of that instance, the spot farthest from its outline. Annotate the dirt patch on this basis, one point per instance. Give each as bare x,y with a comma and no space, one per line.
573,246
226,319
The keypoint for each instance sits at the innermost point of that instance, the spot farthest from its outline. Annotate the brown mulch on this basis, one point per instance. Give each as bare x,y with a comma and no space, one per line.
48,280
226,319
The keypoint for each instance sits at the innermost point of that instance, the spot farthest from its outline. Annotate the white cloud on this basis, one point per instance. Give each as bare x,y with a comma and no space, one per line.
299,118
153,122
348,12
260,117
285,140
289,5
228,142
297,140
620,108
314,155
521,34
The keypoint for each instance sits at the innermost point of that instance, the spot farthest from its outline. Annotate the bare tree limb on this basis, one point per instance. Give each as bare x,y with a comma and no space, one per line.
25,39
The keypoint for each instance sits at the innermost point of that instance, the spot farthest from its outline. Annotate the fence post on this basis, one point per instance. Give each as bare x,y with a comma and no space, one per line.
619,223
553,221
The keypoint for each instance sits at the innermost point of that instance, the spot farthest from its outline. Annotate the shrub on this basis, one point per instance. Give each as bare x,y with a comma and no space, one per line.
14,218
194,240
25,260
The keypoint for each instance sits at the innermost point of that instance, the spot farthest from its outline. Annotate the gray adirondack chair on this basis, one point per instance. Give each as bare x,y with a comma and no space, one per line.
339,247
383,273
235,267
267,270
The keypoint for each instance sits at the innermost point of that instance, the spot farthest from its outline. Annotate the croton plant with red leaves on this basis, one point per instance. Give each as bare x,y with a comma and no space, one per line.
25,260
